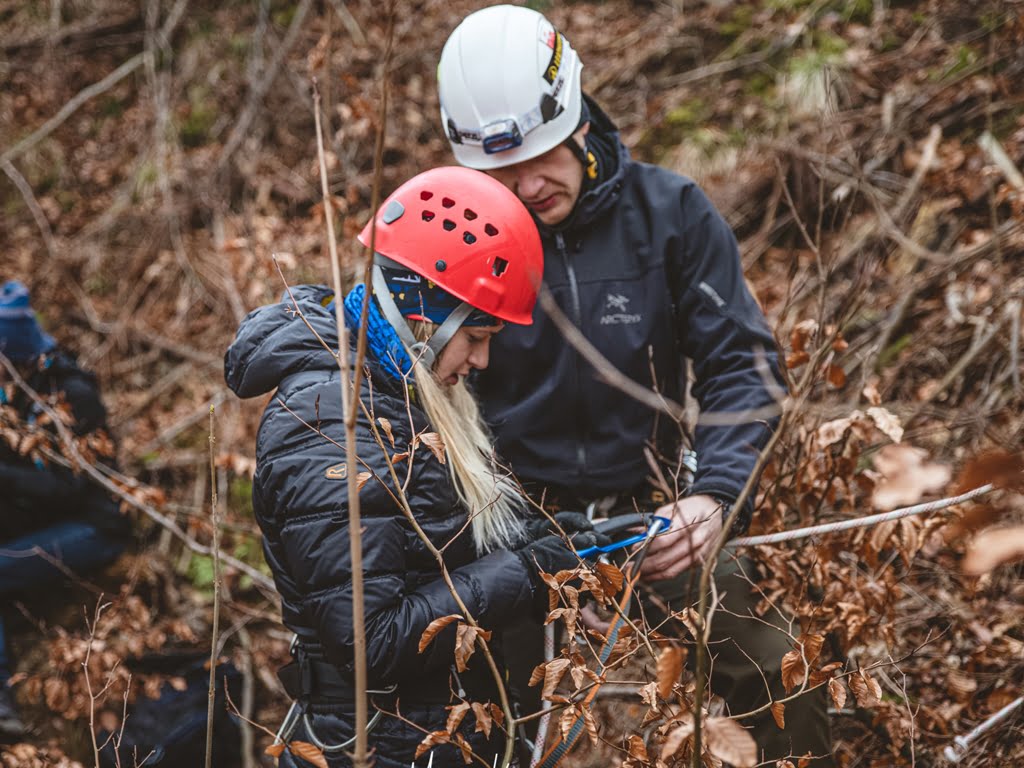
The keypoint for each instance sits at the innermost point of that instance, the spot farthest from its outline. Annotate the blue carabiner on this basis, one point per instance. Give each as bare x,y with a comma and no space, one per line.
658,525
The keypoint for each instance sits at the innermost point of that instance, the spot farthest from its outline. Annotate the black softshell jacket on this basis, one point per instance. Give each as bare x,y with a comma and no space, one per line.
300,502
649,271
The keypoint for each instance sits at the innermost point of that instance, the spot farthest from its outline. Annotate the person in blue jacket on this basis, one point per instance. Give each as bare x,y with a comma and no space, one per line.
53,522
643,265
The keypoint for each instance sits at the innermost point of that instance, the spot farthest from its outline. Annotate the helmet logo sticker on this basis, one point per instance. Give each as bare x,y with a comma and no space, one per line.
551,71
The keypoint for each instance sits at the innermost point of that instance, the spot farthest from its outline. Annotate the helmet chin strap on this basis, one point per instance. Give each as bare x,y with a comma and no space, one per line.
427,351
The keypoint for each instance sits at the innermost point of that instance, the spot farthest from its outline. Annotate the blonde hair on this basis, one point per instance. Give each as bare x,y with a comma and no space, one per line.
491,495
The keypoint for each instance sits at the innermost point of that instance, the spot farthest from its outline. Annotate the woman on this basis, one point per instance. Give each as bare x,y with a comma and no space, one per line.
457,256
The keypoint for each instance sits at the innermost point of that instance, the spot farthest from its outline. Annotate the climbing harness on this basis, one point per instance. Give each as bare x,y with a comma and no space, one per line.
304,677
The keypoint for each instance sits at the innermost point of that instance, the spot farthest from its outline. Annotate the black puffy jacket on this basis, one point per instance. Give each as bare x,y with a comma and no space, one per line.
300,501
33,495
649,271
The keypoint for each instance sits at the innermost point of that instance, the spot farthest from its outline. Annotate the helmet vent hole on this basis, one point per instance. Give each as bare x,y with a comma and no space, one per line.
499,266
425,195
448,225
490,229
447,202
470,215
428,215
468,238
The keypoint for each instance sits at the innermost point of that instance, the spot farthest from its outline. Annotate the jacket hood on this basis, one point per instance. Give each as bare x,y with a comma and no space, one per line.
273,342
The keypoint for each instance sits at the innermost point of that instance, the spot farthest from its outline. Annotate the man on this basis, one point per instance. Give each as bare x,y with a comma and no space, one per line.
53,523
644,266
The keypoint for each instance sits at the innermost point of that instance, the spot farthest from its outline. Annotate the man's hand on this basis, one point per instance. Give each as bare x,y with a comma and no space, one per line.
696,524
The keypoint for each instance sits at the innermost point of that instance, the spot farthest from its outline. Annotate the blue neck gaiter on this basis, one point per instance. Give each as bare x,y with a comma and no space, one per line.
381,338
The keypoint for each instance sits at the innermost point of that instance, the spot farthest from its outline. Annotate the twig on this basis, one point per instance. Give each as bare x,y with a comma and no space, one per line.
860,522
923,166
88,682
215,521
957,369
997,155
32,204
351,25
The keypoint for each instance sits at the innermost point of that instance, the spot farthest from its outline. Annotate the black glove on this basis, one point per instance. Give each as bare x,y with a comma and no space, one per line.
551,554
570,522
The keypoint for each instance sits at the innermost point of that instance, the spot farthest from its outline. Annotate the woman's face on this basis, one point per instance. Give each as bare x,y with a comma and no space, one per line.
468,350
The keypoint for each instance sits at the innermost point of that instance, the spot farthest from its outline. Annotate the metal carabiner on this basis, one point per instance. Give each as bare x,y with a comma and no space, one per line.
333,748
284,733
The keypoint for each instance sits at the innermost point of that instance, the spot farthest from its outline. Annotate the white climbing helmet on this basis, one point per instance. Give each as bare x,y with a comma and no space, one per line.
509,85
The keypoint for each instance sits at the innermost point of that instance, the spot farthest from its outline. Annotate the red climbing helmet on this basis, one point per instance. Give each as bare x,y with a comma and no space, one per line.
467,233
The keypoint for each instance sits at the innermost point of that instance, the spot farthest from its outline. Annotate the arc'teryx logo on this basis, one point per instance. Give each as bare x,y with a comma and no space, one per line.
621,316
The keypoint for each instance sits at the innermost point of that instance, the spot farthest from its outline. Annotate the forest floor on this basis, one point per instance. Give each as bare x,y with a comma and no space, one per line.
867,154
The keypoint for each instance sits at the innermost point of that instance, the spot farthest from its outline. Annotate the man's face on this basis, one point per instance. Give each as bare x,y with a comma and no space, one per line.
549,184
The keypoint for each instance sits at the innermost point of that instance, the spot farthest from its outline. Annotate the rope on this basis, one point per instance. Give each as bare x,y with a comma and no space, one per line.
542,727
860,522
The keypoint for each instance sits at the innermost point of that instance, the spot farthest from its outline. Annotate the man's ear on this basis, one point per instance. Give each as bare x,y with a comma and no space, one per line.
581,133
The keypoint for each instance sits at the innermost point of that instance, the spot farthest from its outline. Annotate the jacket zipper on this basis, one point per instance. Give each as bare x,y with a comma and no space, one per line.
581,449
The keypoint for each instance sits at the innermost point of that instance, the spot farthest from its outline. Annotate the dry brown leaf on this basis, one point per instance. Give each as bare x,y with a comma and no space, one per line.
484,720
274,750
590,724
1002,469
465,644
838,693
386,426
794,664
731,742
554,671
361,479
636,748
866,690
464,748
779,713
433,628
796,359
677,737
649,694
432,740
993,548
670,669
887,422
612,577
434,442
309,753
836,376
455,716
907,477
